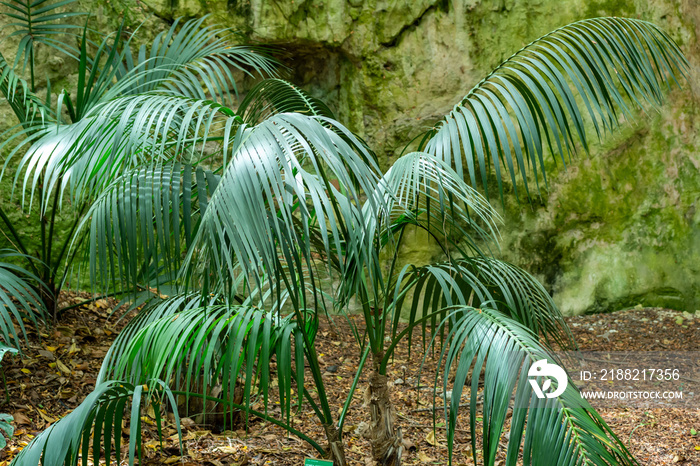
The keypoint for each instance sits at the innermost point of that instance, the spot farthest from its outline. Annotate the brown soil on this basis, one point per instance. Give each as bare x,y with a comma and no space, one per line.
60,366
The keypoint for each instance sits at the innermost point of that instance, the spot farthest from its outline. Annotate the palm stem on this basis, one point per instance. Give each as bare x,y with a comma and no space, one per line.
20,244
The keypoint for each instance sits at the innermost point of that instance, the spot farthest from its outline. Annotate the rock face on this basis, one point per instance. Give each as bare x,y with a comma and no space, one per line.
618,227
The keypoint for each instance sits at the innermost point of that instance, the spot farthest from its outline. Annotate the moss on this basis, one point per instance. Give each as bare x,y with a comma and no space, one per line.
617,228
596,8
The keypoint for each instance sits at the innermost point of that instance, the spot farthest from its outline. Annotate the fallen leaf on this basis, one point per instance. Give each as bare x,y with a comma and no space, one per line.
62,367
73,348
45,416
423,458
430,438
228,450
186,422
21,419
47,354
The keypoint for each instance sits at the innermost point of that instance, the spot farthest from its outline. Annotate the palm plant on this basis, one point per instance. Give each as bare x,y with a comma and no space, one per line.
237,227
191,60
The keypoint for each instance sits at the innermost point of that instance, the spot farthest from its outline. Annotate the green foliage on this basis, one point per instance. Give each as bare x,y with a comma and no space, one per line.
18,300
100,416
603,62
5,419
38,22
237,229
6,427
560,430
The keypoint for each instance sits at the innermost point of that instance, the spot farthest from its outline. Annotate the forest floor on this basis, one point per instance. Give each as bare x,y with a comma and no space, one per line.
59,369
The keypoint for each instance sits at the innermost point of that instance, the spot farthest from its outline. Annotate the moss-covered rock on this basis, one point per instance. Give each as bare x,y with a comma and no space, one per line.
617,228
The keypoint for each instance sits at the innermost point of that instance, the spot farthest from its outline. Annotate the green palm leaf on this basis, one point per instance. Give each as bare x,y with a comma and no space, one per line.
534,96
142,224
19,299
199,348
193,60
476,281
272,96
95,427
128,110
39,22
560,430
276,197
154,309
27,107
119,136
422,190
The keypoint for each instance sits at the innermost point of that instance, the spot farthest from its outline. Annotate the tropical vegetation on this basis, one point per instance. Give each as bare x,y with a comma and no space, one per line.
235,223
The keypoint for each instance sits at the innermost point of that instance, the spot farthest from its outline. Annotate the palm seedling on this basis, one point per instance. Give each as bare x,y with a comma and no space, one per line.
237,228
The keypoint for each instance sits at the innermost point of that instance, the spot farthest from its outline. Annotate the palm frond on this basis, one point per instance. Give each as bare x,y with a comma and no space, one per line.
39,22
560,430
193,60
26,105
142,224
422,190
476,281
127,114
94,429
200,348
97,72
18,300
423,296
276,197
119,136
425,192
272,96
153,306
532,96
153,309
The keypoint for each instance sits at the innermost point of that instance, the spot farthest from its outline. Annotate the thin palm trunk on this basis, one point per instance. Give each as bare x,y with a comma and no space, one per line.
385,439
335,445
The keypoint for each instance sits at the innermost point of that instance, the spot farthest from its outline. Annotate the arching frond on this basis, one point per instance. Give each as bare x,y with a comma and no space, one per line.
423,191
477,281
95,427
560,430
276,197
226,346
539,96
273,96
28,108
119,136
18,300
130,109
153,309
194,60
420,189
140,227
39,22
